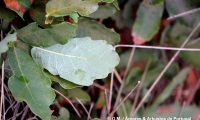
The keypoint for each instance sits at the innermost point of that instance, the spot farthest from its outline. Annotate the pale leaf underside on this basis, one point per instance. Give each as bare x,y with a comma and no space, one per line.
80,61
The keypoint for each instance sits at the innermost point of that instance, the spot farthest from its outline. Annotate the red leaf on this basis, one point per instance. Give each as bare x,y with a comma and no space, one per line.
52,110
165,23
31,13
165,110
137,39
14,5
192,78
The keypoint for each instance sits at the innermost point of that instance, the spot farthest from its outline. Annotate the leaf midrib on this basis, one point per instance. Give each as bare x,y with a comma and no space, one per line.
20,69
61,54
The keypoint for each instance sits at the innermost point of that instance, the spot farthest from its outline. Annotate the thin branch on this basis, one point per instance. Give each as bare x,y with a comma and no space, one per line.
84,108
165,69
1,31
16,110
90,110
10,106
99,86
103,114
119,94
138,90
13,27
125,98
106,98
183,14
124,77
193,92
20,113
179,93
182,108
111,90
158,47
25,112
118,76
128,66
68,100
32,118
2,90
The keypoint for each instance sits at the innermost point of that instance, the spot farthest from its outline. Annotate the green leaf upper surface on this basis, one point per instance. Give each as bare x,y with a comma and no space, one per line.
1,61
78,93
6,14
96,31
104,12
116,4
25,3
59,8
74,16
125,109
169,89
38,14
35,36
80,61
5,41
192,58
28,83
107,1
189,111
63,83
175,36
64,114
148,20
181,6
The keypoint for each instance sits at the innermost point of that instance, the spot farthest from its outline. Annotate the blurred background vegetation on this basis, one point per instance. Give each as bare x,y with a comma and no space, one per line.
147,22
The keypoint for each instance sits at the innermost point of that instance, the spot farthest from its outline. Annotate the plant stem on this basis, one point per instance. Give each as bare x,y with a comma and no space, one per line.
165,69
68,100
